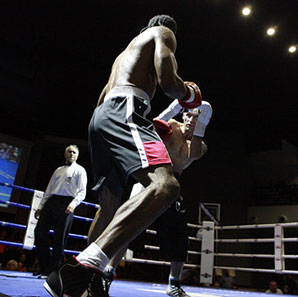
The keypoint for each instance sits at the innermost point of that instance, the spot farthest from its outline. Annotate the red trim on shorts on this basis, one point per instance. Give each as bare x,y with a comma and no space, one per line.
156,153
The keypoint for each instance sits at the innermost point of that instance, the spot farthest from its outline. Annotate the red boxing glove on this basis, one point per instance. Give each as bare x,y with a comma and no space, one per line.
193,97
163,129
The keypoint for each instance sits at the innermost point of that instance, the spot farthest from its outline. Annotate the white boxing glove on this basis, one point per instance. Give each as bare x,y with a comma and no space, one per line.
205,114
172,110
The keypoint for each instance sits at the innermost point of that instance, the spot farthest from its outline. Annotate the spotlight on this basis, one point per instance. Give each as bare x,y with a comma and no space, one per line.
292,49
246,11
271,31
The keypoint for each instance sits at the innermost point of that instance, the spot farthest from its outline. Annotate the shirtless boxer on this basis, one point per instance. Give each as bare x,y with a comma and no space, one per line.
119,135
184,144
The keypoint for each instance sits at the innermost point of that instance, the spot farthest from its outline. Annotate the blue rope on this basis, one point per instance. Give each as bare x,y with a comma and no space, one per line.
32,191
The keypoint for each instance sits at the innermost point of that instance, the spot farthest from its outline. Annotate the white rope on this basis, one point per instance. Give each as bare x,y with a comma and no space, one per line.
256,269
194,226
256,226
156,248
288,239
243,240
156,262
244,255
151,247
148,231
245,269
290,256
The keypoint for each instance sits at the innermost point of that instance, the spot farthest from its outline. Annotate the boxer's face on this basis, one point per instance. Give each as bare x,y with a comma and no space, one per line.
189,121
71,154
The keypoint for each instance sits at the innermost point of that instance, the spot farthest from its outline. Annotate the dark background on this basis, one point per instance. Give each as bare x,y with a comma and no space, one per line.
55,57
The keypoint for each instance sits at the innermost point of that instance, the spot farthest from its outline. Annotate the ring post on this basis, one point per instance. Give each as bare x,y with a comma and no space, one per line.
207,253
278,248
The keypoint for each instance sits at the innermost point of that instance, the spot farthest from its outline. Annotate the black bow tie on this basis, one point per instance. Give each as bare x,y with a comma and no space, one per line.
67,164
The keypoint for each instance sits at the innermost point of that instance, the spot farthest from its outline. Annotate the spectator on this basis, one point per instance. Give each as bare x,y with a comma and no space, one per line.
12,265
227,281
22,262
273,288
286,290
293,284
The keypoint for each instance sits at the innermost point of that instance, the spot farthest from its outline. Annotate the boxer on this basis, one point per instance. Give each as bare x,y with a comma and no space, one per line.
185,145
119,134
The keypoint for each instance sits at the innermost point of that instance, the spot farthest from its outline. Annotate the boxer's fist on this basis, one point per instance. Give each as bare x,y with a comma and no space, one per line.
163,129
193,97
205,114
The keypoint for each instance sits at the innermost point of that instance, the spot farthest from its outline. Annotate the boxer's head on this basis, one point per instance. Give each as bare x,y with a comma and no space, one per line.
189,120
162,20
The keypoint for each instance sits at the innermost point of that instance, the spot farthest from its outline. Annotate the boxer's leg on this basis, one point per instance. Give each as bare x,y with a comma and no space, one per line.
140,211
109,203
134,215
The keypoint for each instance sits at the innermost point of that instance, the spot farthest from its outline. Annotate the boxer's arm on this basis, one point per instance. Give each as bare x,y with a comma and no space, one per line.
171,111
166,65
197,148
188,93
205,114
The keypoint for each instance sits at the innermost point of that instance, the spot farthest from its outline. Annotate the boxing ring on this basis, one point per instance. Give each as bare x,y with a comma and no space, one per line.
206,245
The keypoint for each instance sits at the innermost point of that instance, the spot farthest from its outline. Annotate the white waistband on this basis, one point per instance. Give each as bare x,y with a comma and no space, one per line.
126,90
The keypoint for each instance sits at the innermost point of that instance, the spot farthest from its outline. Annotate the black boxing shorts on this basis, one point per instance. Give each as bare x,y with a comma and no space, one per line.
120,135
172,236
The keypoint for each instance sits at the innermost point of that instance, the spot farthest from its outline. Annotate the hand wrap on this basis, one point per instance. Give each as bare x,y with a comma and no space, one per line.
205,114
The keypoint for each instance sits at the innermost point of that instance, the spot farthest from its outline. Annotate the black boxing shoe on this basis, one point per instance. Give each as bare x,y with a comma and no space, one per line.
96,287
72,278
107,281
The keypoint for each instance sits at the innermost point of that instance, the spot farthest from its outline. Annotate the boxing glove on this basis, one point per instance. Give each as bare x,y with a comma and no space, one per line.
193,97
163,129
205,114
172,110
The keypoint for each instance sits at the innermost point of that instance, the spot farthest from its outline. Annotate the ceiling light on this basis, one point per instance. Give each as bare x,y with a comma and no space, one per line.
246,11
271,31
292,49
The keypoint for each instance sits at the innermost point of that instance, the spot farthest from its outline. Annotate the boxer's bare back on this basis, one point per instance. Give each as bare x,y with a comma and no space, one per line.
147,61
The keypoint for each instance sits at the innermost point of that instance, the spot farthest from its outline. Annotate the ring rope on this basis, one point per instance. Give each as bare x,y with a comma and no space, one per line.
20,245
19,205
24,227
157,248
244,240
194,226
278,237
32,191
255,269
29,207
147,261
153,232
257,226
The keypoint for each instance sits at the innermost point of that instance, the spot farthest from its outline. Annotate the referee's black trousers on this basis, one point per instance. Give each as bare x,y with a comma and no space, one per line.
52,216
